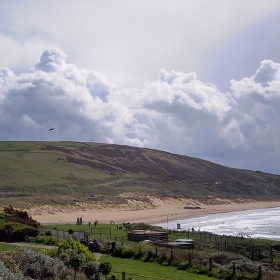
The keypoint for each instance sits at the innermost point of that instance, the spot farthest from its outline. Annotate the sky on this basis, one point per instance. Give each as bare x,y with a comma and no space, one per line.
198,78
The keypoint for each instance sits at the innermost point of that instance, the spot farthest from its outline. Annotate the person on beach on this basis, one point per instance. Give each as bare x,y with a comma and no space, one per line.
91,246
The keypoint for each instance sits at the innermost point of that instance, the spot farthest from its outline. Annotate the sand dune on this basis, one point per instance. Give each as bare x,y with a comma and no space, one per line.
152,210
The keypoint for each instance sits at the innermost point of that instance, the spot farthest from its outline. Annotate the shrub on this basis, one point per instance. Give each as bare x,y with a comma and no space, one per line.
76,261
150,256
142,226
72,245
45,239
91,268
183,266
18,216
48,233
124,251
12,232
6,274
105,268
29,239
35,264
141,252
223,258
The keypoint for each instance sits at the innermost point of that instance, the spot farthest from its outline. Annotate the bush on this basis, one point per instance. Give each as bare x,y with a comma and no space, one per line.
141,252
91,268
45,239
65,246
142,226
6,274
183,266
105,268
124,251
48,233
22,217
223,258
30,239
150,256
34,264
13,232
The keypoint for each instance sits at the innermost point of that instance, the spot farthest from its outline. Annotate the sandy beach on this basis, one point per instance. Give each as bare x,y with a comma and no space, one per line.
162,210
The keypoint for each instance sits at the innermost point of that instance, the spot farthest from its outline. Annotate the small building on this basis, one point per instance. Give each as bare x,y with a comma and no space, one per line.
141,235
180,244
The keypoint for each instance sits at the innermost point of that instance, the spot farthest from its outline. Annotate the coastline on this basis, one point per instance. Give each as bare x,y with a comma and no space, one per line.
170,210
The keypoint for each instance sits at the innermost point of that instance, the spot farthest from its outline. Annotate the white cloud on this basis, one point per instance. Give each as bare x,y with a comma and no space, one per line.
176,113
126,41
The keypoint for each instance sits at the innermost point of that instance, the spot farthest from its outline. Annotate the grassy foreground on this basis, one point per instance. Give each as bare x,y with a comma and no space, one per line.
6,247
134,268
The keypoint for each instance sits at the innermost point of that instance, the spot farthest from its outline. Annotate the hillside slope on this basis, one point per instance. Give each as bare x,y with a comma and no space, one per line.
60,172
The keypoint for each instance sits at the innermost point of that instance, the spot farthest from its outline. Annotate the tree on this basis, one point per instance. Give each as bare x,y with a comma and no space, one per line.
105,268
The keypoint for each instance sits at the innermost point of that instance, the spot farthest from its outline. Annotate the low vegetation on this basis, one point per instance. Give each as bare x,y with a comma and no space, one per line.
16,225
77,174
220,257
69,174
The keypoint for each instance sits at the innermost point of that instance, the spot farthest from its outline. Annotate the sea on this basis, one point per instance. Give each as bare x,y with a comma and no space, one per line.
257,223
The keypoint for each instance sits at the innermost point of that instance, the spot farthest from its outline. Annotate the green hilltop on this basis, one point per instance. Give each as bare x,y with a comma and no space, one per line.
58,172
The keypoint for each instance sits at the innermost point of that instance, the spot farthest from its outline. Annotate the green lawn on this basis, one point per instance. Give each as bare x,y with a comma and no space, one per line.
101,230
134,268
6,247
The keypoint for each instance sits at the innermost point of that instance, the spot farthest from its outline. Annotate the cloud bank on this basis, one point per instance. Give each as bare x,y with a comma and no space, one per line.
176,113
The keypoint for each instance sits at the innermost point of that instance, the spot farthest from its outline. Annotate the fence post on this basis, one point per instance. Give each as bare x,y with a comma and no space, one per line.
233,269
123,275
210,264
190,259
259,276
271,254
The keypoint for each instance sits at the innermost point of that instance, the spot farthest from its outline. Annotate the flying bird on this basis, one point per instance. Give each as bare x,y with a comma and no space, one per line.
52,129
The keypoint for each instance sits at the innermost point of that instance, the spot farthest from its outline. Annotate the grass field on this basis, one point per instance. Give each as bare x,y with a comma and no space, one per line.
82,170
134,268
6,247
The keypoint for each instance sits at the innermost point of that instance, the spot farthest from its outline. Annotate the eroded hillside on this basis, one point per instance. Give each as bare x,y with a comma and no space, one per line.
62,172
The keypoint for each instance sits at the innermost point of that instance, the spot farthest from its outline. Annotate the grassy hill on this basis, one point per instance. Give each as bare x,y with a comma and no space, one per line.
59,172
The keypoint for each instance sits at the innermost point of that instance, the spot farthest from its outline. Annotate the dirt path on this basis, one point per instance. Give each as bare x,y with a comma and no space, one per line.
30,245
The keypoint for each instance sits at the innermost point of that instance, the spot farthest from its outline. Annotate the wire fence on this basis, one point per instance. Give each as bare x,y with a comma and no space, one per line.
107,236
123,276
61,234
